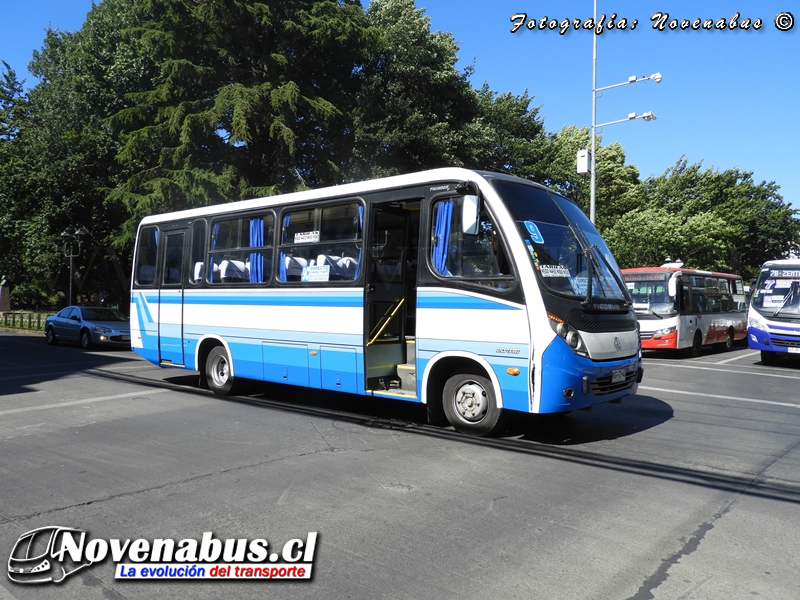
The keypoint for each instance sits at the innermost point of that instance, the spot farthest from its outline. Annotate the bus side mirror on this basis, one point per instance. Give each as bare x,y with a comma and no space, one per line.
672,287
470,215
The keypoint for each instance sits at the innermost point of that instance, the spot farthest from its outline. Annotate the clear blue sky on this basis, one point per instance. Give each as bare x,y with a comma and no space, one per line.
727,98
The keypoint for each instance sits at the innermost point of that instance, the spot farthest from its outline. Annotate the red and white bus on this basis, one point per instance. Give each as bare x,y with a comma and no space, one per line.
680,308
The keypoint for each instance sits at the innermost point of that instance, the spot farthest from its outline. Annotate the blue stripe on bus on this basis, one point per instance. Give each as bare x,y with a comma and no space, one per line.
438,300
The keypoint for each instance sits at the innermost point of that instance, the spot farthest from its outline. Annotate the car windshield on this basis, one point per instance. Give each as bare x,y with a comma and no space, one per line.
563,244
103,314
777,292
650,293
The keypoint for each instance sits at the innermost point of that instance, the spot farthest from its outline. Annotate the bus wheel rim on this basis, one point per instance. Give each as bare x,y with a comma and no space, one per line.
219,371
471,402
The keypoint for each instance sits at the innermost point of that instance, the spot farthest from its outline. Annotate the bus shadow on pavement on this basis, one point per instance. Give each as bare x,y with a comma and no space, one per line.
603,422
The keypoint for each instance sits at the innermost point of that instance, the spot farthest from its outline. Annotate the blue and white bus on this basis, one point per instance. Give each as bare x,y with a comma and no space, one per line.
773,320
474,293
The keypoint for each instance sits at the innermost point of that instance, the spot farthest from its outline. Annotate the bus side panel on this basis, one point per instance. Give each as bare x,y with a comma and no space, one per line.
309,338
144,324
474,324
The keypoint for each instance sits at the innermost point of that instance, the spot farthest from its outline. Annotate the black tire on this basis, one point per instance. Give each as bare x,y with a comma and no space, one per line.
728,343
50,335
768,358
470,405
85,339
694,350
218,372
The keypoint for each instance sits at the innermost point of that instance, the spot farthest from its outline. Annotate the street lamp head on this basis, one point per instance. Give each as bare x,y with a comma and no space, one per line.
79,233
65,235
656,77
649,116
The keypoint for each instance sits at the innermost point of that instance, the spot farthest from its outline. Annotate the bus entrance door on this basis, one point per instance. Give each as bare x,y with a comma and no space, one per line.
390,298
170,313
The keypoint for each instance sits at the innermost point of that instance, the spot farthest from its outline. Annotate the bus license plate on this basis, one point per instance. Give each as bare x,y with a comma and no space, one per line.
794,350
617,376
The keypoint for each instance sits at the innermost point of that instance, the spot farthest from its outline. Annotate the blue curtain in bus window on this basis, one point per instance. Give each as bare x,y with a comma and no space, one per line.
214,234
441,236
282,266
361,235
256,258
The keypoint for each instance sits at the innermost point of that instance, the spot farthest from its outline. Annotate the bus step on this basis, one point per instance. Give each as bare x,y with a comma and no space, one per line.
408,377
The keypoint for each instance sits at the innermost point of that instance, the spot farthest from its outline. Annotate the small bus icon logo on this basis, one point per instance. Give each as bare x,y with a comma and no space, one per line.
37,556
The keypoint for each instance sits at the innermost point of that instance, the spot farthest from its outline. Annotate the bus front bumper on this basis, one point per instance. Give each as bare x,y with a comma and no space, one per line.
758,339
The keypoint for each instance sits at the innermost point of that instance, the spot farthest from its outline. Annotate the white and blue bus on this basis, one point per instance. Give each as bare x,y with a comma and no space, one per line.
473,293
773,320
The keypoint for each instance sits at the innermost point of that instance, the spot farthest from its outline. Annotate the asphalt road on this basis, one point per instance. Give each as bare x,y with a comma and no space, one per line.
689,490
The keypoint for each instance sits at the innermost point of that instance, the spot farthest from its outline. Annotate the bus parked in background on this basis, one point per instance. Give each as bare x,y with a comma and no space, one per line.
680,308
774,316
473,293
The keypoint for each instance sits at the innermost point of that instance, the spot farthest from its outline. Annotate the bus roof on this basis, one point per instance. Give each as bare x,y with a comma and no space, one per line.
338,191
672,269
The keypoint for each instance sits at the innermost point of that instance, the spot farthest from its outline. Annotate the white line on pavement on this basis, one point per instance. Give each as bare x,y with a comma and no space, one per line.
143,394
753,400
737,357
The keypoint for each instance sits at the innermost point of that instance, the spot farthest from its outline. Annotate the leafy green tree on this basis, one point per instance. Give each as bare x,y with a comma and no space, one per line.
649,236
63,152
618,187
413,107
763,226
250,98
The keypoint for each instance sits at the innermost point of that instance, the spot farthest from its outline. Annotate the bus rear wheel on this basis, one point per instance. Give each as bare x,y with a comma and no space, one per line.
218,372
470,405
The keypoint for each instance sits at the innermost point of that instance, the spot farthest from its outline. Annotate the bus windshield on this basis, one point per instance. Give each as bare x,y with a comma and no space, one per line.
777,292
564,247
650,293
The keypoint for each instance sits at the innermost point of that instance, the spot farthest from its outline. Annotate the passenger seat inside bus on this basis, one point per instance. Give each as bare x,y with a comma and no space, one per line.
234,271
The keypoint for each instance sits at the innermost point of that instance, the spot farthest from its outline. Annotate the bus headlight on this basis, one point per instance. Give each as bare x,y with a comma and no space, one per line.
756,321
568,333
666,331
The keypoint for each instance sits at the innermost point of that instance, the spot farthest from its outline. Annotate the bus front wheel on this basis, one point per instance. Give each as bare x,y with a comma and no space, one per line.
470,405
696,348
768,358
218,371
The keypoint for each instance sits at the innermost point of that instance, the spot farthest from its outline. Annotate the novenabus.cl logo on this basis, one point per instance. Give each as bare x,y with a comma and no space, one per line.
39,556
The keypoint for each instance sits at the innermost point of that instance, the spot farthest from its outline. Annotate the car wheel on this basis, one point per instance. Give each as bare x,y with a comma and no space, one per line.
86,339
51,336
218,372
470,405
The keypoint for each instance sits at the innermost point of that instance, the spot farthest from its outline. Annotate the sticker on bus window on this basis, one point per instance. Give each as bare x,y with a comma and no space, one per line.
579,285
554,271
770,301
783,283
631,285
306,236
316,273
533,230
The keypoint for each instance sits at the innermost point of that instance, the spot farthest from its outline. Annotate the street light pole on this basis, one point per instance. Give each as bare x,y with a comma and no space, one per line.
68,239
648,116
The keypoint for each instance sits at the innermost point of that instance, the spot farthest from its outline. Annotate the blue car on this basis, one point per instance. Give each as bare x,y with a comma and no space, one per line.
89,326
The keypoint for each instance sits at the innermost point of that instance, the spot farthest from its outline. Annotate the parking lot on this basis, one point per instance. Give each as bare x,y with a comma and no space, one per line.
688,490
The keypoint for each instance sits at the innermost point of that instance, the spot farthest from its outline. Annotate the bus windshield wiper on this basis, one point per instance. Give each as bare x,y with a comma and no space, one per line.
786,299
595,253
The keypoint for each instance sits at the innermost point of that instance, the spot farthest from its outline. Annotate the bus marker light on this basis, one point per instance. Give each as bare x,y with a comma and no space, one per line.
512,371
